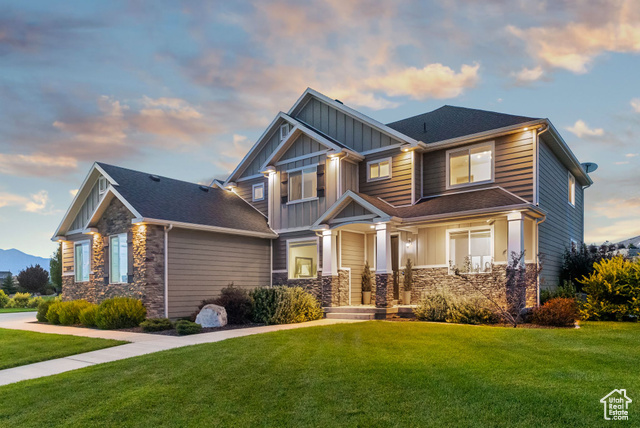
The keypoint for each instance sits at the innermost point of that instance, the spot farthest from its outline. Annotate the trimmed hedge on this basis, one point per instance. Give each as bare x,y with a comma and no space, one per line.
284,305
88,315
437,307
43,307
434,307
120,312
156,324
185,327
53,313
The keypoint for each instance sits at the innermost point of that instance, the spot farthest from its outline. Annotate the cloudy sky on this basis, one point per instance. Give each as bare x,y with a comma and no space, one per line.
184,89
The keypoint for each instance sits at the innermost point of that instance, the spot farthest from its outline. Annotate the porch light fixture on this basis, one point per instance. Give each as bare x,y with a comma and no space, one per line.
408,242
231,185
526,129
335,155
405,147
91,231
268,171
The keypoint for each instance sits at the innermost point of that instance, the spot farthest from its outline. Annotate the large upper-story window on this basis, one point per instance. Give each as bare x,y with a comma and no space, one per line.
119,259
303,184
470,250
572,190
303,259
82,261
379,169
470,165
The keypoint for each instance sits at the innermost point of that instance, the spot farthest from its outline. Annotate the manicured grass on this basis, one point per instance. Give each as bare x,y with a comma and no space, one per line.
19,347
365,374
11,310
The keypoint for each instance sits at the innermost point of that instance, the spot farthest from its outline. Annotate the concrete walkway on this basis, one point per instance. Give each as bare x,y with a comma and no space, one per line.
141,344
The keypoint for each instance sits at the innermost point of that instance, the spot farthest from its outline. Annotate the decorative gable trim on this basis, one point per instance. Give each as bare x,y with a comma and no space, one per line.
109,195
342,202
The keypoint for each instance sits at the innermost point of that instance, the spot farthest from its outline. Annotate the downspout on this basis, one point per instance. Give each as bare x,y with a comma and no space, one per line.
167,229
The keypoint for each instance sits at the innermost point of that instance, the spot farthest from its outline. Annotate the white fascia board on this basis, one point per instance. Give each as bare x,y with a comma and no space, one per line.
80,194
105,201
205,228
462,214
354,114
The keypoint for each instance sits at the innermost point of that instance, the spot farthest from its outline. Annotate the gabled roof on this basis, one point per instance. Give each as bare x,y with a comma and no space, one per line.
449,122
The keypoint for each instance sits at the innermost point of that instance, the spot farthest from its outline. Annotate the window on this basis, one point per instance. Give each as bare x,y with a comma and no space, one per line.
258,192
470,165
572,190
118,272
102,185
379,169
470,250
81,261
284,131
303,184
303,259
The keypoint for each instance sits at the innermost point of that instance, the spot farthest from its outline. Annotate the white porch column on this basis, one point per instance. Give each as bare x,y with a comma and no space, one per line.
383,256
329,253
516,235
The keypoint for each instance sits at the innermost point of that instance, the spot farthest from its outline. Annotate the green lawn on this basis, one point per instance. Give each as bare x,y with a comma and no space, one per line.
18,347
10,310
365,374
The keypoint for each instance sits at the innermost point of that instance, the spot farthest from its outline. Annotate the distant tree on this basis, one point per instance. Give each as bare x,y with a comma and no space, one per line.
9,285
33,279
55,268
577,262
621,246
632,246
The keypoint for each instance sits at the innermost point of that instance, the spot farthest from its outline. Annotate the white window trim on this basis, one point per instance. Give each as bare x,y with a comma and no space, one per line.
371,162
468,149
110,253
102,190
470,229
283,126
253,192
75,244
571,179
297,201
309,239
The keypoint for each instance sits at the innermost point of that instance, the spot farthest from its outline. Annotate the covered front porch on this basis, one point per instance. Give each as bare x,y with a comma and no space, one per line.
357,232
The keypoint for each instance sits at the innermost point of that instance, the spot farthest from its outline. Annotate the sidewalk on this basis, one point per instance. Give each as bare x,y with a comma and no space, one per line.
141,344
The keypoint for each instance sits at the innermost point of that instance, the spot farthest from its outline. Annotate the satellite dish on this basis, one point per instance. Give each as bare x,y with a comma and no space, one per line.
589,166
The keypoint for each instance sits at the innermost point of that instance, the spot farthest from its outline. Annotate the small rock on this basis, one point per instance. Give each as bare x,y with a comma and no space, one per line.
212,316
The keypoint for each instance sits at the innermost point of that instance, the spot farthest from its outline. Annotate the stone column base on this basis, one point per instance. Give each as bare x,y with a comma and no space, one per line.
384,290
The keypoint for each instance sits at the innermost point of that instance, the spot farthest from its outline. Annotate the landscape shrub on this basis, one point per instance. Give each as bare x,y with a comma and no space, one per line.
471,311
184,327
34,302
613,290
558,312
577,262
33,279
236,301
156,324
433,307
19,300
4,299
284,305
53,313
69,312
567,290
43,308
87,316
120,312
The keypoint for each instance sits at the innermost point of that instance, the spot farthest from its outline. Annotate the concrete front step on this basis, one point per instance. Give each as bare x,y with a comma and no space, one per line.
349,316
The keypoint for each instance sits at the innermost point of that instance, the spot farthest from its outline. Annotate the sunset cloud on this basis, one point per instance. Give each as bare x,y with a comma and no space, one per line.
580,129
635,103
38,164
36,203
528,75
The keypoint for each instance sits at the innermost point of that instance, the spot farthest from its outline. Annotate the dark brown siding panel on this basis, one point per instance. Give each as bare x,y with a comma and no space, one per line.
513,167
245,191
397,189
563,222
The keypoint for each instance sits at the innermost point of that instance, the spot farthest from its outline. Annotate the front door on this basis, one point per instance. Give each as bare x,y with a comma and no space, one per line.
395,248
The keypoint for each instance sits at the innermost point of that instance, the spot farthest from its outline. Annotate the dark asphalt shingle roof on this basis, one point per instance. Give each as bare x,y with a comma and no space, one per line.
451,122
494,197
181,201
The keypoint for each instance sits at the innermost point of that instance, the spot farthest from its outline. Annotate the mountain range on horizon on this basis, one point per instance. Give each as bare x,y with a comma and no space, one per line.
14,260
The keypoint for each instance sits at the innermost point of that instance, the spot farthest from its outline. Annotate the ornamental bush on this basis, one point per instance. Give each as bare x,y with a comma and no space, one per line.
156,324
120,312
471,311
236,301
4,299
19,300
558,312
69,312
43,307
53,313
433,307
567,290
34,302
613,290
265,303
185,327
284,305
87,316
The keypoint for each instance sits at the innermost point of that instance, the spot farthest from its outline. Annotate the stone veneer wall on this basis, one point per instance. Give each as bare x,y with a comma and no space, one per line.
147,283
329,290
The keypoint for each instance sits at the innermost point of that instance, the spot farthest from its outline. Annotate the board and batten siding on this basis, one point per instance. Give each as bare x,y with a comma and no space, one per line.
349,131
88,207
203,263
395,190
245,191
513,167
258,158
348,176
352,257
564,221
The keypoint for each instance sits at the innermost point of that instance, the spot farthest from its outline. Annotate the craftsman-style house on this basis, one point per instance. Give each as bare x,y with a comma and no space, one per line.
323,191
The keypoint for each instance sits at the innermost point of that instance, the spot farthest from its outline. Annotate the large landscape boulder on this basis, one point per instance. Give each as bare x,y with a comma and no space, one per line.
212,316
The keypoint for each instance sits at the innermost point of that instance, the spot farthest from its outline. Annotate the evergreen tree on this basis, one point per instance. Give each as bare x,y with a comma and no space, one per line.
9,285
55,269
366,277
408,275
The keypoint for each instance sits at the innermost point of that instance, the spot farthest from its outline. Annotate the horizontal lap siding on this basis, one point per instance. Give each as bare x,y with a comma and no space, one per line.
352,256
395,190
351,132
68,251
513,167
245,191
202,263
563,221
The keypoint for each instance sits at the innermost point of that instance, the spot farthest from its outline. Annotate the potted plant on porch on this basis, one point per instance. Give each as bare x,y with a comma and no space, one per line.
366,284
408,282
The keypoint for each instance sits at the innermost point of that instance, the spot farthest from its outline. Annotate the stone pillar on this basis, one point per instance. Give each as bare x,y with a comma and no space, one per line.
516,235
384,275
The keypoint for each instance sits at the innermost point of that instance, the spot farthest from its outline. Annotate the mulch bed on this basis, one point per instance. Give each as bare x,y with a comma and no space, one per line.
173,331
